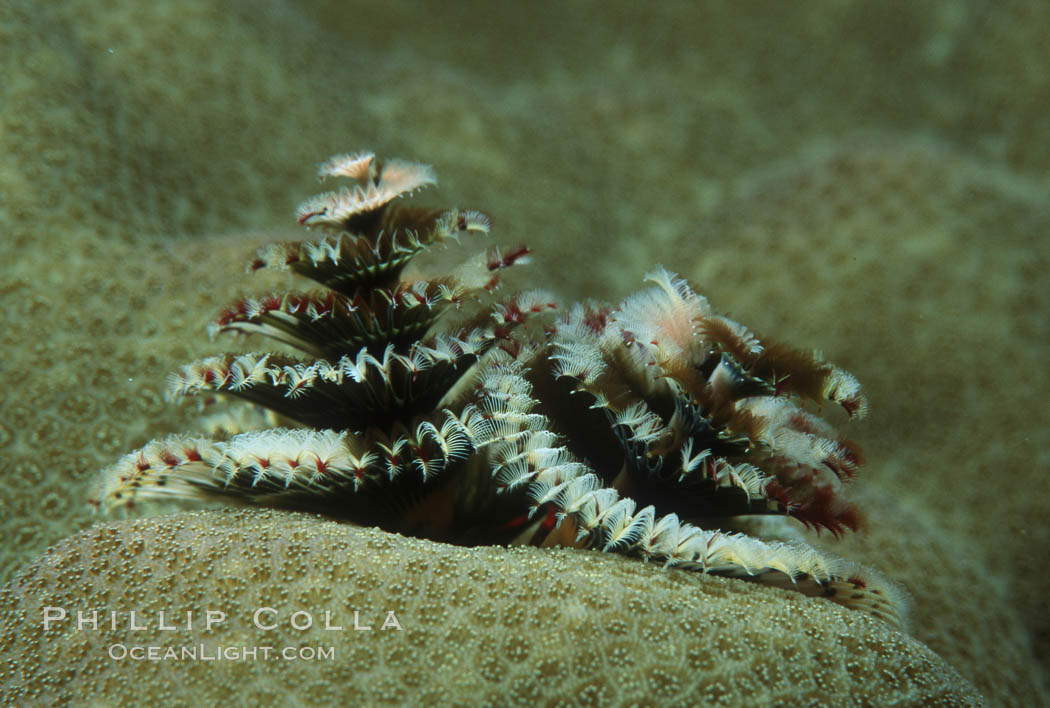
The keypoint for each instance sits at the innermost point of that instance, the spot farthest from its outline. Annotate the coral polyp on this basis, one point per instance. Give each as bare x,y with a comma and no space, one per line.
432,406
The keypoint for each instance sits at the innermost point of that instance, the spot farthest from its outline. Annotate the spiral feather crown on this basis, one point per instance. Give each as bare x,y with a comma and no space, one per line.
432,406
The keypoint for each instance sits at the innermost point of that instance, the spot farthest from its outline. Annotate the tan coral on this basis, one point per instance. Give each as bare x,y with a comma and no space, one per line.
482,626
969,73
927,263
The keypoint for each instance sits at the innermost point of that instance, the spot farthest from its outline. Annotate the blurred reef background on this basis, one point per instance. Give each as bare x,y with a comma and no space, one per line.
869,179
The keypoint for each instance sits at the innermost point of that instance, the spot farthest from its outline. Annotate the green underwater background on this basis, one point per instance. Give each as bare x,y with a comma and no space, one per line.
868,179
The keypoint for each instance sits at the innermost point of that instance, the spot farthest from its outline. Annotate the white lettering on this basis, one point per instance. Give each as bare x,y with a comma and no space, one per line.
161,625
302,613
82,620
357,625
391,621
53,614
328,622
134,627
212,617
256,618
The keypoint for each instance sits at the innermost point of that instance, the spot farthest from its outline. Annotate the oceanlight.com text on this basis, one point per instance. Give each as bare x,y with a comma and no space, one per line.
202,652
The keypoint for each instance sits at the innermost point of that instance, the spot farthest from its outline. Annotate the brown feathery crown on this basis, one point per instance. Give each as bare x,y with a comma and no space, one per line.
430,407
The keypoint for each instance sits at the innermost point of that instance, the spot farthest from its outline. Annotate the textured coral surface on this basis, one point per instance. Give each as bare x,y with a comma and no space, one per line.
891,212
480,626
926,266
